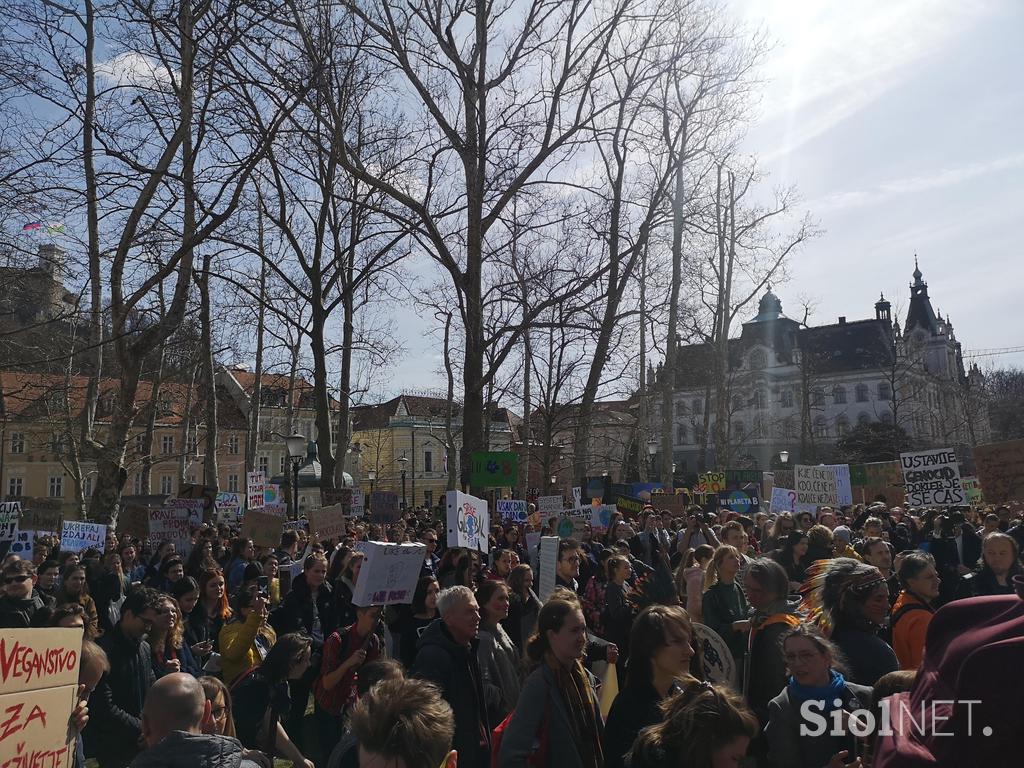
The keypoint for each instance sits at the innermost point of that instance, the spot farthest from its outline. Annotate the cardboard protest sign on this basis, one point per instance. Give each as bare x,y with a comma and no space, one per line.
133,520
384,507
38,692
228,506
264,528
1001,471
194,507
713,482
22,544
767,483
844,490
468,521
327,522
358,506
532,540
10,512
493,469
76,536
204,493
600,516
42,514
629,506
577,496
302,524
549,505
783,500
171,524
511,510
877,479
932,478
815,485
670,502
548,566
972,489
389,573
254,490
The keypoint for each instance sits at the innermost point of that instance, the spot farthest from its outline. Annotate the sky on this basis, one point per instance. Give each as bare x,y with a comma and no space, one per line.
901,123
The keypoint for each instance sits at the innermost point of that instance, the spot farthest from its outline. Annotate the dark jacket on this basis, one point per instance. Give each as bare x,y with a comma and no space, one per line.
522,618
721,605
17,614
251,698
617,616
105,589
116,705
787,748
295,614
765,667
869,656
199,627
983,582
635,708
193,750
454,668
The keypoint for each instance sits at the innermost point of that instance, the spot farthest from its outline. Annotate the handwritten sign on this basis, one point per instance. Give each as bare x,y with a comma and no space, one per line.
384,507
204,493
327,522
228,505
932,478
512,510
844,490
171,524
1001,470
42,514
577,495
10,511
194,507
468,521
22,544
264,528
389,573
815,485
549,505
783,500
548,566
37,695
600,516
133,520
358,505
254,488
713,482
76,536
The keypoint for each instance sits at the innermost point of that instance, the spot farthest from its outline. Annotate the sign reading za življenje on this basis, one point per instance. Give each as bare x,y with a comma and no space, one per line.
932,478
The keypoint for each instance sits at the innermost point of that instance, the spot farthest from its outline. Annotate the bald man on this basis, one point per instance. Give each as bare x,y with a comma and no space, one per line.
172,727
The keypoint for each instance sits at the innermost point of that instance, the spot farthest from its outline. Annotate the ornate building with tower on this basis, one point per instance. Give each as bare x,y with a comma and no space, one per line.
800,389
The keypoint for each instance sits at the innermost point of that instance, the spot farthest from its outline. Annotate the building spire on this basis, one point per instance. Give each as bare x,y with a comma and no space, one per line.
917,272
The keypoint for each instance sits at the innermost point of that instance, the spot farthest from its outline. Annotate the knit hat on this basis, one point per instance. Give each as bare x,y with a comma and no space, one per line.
843,533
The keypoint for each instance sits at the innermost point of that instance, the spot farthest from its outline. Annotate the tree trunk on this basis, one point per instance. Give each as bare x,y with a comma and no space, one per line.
252,434
672,344
210,469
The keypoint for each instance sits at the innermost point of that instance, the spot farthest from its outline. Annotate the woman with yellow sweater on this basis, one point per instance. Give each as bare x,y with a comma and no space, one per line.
247,638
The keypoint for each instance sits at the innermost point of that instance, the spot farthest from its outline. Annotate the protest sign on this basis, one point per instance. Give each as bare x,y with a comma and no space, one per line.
384,507
600,517
228,505
133,520
844,489
493,469
932,478
878,479
629,506
171,524
22,544
302,524
1000,468
719,664
548,566
37,695
204,493
327,522
972,489
264,528
713,482
254,488
767,483
511,510
738,501
549,505
389,573
194,507
783,500
42,514
577,495
468,521
76,536
272,494
815,485
532,540
10,512
670,502
358,506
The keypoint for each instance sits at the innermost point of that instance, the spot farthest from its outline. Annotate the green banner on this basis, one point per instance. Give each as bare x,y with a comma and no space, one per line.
493,469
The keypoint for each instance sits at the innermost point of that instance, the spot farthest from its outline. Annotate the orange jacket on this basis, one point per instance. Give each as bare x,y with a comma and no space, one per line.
909,631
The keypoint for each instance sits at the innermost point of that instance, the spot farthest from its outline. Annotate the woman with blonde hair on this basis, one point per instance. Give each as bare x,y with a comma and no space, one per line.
724,605
170,652
222,721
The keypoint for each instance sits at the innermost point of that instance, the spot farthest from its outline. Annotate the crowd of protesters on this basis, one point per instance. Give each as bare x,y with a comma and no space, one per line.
236,655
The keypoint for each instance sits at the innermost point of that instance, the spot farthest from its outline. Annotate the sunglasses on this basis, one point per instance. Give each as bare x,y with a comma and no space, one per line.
20,579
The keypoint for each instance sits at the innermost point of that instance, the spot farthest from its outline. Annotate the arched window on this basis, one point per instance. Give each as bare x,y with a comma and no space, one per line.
787,398
862,393
884,391
820,427
739,430
818,397
759,399
839,395
698,406
862,419
680,434
842,426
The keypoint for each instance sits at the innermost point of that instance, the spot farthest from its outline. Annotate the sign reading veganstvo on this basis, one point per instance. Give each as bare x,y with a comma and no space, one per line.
493,469
932,478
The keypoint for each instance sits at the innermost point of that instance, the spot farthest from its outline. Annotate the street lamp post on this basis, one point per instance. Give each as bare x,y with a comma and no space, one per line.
296,445
784,457
403,461
371,475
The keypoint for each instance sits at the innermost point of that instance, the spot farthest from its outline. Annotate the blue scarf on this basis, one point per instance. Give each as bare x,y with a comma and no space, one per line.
835,689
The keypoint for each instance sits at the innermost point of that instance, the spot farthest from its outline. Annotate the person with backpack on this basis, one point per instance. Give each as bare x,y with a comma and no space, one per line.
334,691
912,612
246,639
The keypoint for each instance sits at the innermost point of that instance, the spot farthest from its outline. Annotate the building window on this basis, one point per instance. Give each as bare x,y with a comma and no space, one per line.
15,486
140,443
680,434
428,461
818,397
758,360
233,445
884,392
87,486
759,400
264,465
839,395
137,485
698,406
57,486
193,445
862,393
820,427
167,444
863,419
281,470
842,426
787,398
165,484
233,483
17,443
428,498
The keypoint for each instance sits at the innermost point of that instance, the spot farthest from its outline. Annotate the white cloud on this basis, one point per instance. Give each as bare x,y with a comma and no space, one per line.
134,69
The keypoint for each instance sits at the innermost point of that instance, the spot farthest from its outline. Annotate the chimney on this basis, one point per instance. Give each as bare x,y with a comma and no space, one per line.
842,320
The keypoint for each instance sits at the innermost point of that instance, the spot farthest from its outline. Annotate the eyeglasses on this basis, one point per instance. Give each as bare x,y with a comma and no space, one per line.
20,579
805,656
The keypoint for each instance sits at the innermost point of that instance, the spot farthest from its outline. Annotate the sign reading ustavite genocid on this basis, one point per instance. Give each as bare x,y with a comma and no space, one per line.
932,478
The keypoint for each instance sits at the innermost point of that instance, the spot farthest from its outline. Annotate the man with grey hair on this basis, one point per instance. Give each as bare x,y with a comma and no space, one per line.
447,655
172,727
